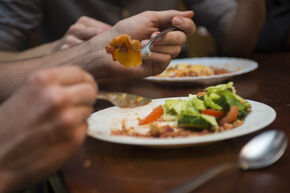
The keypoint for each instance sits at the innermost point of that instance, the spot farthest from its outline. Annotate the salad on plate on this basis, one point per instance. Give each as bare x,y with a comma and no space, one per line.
217,109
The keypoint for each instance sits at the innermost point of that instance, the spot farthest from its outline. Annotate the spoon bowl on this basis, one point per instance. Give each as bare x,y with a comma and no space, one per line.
263,150
123,100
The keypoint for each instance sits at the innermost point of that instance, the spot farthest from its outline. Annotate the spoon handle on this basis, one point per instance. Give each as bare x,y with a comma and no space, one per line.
197,182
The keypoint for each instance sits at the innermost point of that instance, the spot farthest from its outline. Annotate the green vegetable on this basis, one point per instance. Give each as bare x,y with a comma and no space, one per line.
243,101
196,103
197,121
222,96
210,119
232,100
174,106
220,88
229,99
222,101
194,122
209,103
189,110
188,113
242,114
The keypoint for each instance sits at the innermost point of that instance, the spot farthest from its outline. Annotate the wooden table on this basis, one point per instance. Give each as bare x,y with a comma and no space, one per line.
112,168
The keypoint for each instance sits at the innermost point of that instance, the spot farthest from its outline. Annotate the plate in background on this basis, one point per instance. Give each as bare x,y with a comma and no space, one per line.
236,66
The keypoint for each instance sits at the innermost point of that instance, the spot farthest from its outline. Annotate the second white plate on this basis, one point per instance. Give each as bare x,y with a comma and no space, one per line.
236,66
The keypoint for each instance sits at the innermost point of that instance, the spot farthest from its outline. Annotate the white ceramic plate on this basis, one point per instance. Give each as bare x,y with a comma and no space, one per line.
236,66
101,123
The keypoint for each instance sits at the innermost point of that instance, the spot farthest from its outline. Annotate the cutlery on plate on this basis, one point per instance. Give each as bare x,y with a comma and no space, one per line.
262,151
123,100
146,49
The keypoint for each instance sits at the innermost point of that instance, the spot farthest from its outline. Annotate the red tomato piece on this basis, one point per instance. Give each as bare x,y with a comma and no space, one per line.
212,112
231,115
153,116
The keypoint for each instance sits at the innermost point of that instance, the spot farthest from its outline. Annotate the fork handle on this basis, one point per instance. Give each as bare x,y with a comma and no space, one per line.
161,34
197,182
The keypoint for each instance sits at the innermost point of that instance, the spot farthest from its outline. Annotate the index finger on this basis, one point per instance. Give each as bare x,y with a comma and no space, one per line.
68,75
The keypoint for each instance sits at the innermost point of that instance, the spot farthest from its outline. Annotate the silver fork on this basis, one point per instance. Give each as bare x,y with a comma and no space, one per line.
146,50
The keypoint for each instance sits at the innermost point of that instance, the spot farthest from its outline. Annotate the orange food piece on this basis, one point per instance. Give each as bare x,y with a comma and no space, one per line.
125,50
231,115
153,116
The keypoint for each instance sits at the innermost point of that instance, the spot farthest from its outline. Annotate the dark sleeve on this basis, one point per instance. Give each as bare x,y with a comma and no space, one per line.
18,18
212,14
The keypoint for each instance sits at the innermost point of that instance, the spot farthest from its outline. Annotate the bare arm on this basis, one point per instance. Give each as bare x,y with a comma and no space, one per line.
84,29
91,55
6,56
86,55
243,27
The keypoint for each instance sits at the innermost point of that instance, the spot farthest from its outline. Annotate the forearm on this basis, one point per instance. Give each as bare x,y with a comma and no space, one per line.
5,181
243,27
89,55
45,49
3,188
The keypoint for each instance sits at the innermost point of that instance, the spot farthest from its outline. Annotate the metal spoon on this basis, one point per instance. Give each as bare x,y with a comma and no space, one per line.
146,49
262,151
123,100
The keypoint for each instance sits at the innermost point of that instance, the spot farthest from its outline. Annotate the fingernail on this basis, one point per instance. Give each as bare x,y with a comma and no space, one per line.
144,42
177,21
154,34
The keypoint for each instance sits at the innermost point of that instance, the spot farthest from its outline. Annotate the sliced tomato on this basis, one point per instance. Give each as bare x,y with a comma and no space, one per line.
153,116
231,115
212,112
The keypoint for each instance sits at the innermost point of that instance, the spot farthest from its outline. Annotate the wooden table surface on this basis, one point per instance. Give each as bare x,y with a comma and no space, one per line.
102,167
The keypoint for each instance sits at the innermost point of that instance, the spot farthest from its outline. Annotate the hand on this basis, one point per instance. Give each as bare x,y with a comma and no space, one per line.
142,27
84,29
43,124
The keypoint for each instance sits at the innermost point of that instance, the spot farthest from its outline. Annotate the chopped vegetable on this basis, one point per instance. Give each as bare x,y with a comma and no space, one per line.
210,119
153,116
193,122
209,103
220,88
174,106
197,121
197,103
212,112
231,115
215,110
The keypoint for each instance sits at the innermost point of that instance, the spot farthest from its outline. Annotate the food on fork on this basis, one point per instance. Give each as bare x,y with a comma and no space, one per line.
125,50
216,109
189,70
